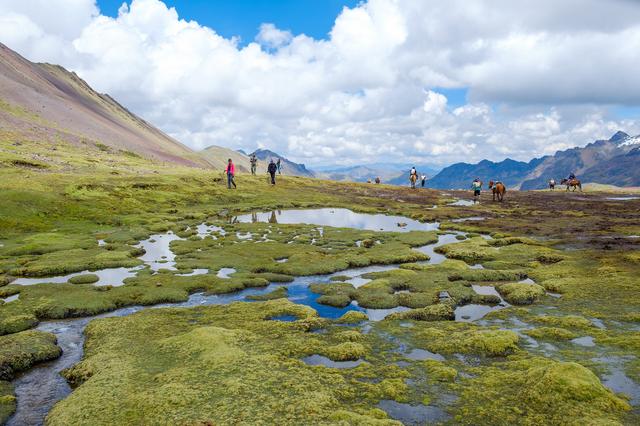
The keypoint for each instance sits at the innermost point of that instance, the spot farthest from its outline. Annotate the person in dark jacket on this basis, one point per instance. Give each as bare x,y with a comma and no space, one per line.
272,169
279,167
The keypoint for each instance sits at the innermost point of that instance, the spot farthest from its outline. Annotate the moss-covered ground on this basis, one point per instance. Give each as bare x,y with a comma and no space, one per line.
233,365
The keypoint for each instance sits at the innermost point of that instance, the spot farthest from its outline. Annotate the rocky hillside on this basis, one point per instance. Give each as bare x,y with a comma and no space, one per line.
50,105
604,161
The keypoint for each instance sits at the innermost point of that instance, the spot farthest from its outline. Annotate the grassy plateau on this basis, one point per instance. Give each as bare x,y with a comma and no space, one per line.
559,344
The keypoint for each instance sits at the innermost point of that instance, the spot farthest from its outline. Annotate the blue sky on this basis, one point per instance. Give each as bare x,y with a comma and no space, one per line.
243,17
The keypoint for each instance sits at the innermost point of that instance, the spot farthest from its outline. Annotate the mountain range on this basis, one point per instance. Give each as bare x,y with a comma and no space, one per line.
611,161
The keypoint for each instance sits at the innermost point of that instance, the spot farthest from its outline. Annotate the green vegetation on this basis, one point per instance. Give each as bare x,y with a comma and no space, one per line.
234,365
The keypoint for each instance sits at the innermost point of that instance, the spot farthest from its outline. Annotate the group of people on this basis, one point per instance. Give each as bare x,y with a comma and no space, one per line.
413,178
273,168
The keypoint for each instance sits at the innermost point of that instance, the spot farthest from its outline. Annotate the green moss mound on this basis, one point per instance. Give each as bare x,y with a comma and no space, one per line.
84,279
19,351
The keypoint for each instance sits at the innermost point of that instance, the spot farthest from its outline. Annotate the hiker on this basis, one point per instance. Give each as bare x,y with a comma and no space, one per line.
279,167
378,179
272,168
369,180
423,179
476,186
552,184
254,162
230,171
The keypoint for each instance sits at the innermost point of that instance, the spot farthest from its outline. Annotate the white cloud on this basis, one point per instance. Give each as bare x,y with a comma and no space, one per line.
540,76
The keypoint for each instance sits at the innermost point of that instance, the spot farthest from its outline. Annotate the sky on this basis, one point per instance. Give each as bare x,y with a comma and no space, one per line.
329,82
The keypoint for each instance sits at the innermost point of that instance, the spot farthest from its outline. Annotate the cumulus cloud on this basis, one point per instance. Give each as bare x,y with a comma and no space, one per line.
540,77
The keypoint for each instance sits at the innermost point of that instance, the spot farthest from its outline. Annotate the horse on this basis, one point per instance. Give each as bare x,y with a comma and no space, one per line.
413,178
572,183
498,189
552,184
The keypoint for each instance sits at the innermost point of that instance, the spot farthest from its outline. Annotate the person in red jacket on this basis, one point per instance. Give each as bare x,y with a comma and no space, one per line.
230,171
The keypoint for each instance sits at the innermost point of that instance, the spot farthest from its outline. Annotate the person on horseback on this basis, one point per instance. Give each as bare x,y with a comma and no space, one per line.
413,177
572,176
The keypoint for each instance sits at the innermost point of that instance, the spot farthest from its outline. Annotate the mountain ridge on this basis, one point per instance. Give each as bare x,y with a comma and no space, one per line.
600,161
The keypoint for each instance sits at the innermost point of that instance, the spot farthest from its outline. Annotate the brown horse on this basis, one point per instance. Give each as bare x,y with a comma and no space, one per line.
498,189
573,183
413,178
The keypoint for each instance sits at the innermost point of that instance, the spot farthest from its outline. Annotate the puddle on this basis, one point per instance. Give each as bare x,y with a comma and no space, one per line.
412,414
112,276
598,323
586,341
11,298
323,360
556,295
485,290
437,258
285,318
102,243
464,203
629,198
423,354
205,230
468,219
158,254
339,218
245,236
194,272
225,272
283,260
473,312
476,266
526,281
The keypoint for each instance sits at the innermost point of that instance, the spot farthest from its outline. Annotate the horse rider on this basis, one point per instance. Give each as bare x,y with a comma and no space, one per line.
572,176
413,176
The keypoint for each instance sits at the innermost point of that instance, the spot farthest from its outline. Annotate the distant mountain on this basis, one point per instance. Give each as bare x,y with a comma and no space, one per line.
288,167
218,156
393,174
357,174
604,161
48,104
460,175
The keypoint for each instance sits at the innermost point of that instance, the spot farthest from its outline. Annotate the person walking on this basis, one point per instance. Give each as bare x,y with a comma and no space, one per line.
279,167
272,169
254,162
230,171
476,186
423,179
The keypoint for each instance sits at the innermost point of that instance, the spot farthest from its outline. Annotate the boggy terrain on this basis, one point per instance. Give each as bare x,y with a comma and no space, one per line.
522,312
